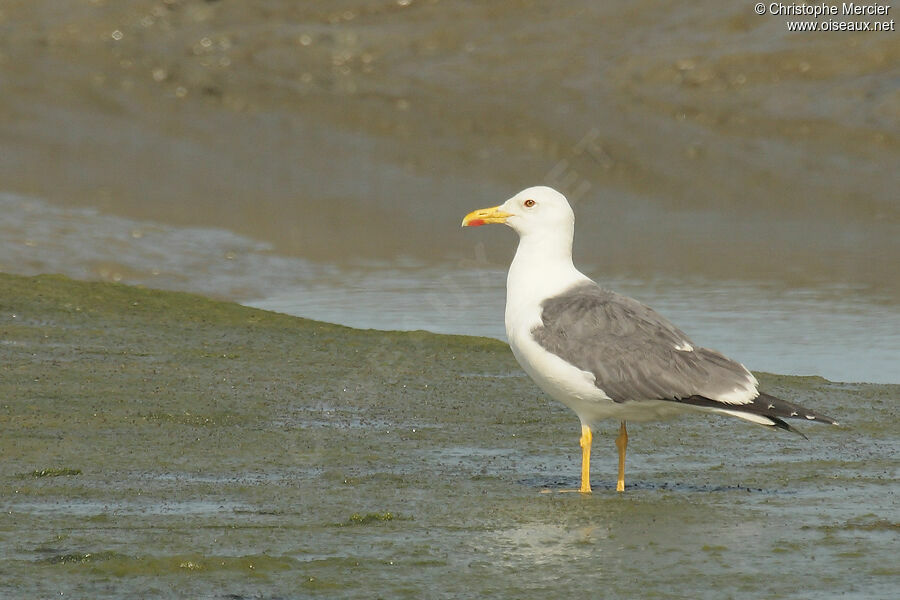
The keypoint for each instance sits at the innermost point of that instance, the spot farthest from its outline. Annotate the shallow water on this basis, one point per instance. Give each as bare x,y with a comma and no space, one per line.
836,331
317,158
162,445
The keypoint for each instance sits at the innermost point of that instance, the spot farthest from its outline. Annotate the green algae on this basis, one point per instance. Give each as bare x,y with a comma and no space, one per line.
218,446
358,519
55,473
81,558
187,418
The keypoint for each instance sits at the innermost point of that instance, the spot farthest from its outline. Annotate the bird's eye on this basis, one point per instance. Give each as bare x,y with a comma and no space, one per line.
529,203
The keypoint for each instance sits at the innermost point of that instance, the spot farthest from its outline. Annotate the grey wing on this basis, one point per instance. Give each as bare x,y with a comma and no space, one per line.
635,353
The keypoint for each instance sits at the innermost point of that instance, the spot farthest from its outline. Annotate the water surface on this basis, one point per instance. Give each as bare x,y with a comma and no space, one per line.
838,331
317,158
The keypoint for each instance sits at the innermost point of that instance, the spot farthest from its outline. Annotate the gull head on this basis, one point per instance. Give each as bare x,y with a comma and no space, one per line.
534,211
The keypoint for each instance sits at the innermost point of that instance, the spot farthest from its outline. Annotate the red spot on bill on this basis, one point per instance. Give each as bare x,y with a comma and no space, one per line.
475,223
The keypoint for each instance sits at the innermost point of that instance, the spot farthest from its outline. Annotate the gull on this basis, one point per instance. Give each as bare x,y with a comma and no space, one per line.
605,355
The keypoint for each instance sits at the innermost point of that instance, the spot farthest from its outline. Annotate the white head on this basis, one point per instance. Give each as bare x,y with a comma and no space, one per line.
538,211
543,265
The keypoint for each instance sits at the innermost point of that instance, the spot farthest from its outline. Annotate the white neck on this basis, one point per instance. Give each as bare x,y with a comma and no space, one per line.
542,267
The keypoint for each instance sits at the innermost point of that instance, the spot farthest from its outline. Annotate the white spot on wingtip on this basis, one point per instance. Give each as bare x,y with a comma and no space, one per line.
810,417
684,347
793,413
771,406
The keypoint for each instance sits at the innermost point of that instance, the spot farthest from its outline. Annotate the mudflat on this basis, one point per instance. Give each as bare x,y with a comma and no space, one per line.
161,444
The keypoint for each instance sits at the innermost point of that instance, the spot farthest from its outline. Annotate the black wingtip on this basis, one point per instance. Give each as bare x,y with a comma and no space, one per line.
812,416
767,406
776,407
776,422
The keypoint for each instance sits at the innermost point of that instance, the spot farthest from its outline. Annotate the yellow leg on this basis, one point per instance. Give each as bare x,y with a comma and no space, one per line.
621,443
586,438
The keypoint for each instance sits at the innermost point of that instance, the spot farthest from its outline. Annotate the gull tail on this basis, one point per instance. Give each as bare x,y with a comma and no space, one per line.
764,409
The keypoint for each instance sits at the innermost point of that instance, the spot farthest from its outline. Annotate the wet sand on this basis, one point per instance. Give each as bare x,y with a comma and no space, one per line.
160,444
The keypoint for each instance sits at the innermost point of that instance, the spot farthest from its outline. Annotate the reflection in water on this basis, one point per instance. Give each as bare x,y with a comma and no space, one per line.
542,544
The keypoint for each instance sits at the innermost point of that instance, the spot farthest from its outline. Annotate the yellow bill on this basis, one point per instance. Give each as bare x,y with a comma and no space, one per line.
485,216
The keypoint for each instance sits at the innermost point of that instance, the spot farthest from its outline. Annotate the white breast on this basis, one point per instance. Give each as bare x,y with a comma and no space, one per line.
562,381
